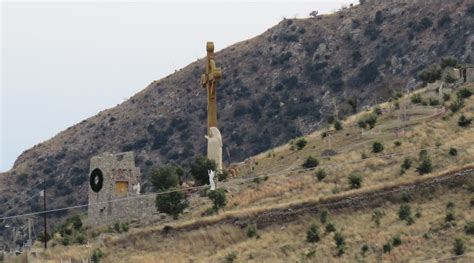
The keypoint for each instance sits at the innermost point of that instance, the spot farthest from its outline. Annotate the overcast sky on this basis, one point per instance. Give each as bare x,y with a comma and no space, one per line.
64,62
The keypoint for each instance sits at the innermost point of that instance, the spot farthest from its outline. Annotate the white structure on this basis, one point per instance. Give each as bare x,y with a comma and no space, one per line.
214,147
211,174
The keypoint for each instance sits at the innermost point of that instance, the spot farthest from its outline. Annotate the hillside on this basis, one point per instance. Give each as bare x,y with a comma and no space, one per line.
279,198
285,79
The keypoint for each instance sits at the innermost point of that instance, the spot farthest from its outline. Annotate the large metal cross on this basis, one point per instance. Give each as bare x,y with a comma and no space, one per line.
209,82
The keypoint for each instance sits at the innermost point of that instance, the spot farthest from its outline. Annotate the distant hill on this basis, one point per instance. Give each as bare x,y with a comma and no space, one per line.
276,86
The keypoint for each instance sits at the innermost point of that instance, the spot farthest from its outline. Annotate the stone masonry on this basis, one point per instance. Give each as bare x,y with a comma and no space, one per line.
121,182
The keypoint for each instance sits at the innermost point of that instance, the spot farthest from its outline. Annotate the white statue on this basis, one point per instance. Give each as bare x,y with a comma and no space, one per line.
214,147
211,174
136,188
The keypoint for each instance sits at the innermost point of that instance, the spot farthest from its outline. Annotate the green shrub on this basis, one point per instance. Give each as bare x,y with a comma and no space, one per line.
464,121
355,180
364,249
172,203
65,241
406,165
464,93
75,221
458,247
453,151
449,216
449,62
404,212
97,255
450,78
251,231
431,74
446,96
330,228
416,98
387,247
397,143
310,162
312,235
124,227
456,105
340,243
377,110
396,241
433,101
377,147
425,166
81,238
199,167
321,174
230,258
218,198
469,228
164,177
323,216
301,143
406,196
337,125
221,176
450,205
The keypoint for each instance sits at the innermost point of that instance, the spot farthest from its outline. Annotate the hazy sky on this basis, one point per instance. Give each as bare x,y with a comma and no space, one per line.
64,62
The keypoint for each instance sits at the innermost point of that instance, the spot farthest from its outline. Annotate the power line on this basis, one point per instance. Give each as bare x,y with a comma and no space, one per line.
236,181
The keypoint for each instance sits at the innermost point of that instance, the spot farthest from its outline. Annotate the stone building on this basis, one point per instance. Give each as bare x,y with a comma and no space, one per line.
114,190
464,74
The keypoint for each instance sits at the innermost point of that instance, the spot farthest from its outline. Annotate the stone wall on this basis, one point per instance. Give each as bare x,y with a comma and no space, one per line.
118,199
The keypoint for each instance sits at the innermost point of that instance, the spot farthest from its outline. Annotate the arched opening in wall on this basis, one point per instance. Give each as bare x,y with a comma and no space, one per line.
121,188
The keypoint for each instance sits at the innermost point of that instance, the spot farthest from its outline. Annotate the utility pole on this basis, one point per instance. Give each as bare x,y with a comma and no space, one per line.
44,217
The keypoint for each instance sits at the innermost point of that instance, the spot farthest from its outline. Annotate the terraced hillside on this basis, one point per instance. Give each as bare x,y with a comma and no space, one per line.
284,79
390,202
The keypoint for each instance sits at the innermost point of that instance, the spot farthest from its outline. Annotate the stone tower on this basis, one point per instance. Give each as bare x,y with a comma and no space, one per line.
114,189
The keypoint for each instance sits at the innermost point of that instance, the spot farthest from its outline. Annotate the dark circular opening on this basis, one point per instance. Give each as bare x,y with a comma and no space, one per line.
96,180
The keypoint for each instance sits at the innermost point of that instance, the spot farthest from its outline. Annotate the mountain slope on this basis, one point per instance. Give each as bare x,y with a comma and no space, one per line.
283,79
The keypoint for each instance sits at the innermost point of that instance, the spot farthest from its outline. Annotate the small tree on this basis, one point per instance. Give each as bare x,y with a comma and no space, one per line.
172,203
311,162
458,246
199,168
312,235
377,147
355,180
320,174
218,198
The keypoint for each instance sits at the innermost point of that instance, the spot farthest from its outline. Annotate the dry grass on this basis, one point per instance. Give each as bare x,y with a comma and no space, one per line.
288,185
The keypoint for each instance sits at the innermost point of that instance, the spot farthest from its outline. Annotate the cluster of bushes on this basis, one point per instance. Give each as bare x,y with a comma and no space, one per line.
72,231
431,74
368,121
458,103
394,242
